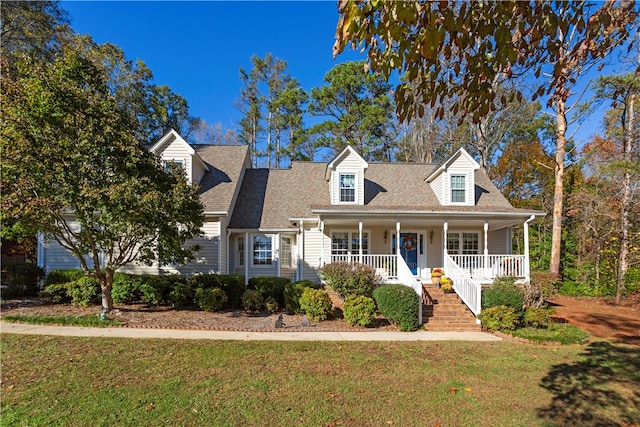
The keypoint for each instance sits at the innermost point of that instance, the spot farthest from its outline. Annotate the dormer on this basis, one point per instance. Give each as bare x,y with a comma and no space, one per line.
345,174
172,148
453,181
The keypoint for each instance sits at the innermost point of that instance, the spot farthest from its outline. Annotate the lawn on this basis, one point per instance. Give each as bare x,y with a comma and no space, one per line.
107,382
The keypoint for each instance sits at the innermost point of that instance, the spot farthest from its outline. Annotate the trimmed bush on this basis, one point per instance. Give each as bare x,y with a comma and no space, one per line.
359,310
504,291
211,299
64,276
183,294
350,279
270,286
292,293
271,304
126,289
23,279
84,291
233,286
538,317
55,293
316,304
252,300
499,318
399,305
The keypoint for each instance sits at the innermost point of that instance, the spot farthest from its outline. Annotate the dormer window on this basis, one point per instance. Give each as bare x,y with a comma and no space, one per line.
458,189
167,164
347,188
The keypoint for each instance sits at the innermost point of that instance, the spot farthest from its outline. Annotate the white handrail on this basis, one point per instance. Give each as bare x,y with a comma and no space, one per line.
467,289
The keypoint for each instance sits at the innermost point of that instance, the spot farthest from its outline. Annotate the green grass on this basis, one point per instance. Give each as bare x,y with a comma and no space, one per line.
564,334
106,381
86,320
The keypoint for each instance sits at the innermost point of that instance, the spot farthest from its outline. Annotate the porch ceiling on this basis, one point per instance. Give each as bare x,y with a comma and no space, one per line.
423,223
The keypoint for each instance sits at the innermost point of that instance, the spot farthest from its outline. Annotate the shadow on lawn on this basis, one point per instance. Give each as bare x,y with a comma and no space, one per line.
601,388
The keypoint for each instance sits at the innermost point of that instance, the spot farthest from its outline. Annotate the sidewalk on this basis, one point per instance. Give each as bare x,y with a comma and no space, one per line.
74,331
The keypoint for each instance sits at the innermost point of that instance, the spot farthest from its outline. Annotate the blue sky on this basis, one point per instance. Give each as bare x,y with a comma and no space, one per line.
197,48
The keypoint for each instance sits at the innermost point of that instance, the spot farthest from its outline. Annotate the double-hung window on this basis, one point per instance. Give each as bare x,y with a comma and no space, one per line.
285,251
240,252
458,189
463,243
346,244
347,183
262,250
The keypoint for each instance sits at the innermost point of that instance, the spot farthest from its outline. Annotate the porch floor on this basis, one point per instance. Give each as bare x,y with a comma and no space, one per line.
445,312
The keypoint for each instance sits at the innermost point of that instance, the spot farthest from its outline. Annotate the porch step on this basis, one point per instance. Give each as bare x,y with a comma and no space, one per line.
446,312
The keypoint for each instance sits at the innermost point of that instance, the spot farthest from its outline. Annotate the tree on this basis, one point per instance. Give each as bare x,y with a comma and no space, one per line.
74,171
422,38
357,108
291,107
624,92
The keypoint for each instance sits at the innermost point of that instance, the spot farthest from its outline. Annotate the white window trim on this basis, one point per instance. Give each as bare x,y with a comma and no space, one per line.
240,258
466,188
460,237
352,234
273,251
355,188
290,252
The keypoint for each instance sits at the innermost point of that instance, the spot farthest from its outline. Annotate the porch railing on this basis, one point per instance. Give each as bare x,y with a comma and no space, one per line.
491,266
467,289
386,265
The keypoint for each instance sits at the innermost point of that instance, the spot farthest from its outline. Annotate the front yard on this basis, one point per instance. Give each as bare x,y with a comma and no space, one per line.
83,381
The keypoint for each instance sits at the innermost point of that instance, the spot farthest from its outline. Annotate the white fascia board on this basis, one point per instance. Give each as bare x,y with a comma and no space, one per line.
347,150
262,230
431,213
444,165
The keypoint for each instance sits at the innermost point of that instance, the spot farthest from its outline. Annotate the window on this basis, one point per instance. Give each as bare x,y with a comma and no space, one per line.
168,164
463,243
240,251
285,251
262,250
458,189
347,188
347,243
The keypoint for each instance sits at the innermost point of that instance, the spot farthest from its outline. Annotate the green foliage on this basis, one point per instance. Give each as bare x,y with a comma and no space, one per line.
499,318
561,333
399,304
270,286
359,310
252,300
183,294
23,279
232,285
87,320
350,278
64,276
210,299
316,304
84,291
538,317
271,304
292,293
504,291
55,293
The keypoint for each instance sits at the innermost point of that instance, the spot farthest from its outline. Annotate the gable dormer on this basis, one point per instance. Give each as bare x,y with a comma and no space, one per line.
345,174
453,181
172,148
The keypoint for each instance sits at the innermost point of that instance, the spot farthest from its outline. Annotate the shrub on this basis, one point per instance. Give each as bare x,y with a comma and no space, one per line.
203,281
211,299
350,278
252,300
499,318
232,285
64,276
183,294
315,303
271,304
359,310
538,317
270,287
55,294
23,279
292,293
155,290
84,291
126,289
399,305
504,291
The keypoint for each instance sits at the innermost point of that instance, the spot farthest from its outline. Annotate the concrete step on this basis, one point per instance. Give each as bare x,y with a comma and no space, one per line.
451,327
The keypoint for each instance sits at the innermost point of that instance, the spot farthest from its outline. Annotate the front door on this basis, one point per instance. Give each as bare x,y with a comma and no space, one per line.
409,250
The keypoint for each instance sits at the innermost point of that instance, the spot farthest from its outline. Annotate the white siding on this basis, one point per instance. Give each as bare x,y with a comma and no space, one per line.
498,242
57,258
312,253
350,164
206,259
437,185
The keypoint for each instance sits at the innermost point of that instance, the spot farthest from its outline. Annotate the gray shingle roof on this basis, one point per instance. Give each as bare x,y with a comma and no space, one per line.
219,184
269,198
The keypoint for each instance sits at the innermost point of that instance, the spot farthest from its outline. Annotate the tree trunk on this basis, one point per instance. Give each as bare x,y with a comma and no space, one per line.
106,285
556,236
628,117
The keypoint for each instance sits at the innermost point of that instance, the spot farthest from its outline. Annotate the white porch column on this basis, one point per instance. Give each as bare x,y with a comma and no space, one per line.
486,249
445,229
246,258
299,272
360,241
527,267
322,261
398,238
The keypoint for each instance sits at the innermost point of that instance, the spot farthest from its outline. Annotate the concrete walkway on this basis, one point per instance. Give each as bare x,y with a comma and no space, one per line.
74,331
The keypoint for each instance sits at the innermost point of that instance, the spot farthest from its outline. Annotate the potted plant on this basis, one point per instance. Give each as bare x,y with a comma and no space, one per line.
436,274
446,284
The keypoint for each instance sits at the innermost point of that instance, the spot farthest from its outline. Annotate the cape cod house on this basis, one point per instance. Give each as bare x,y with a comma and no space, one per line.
403,219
